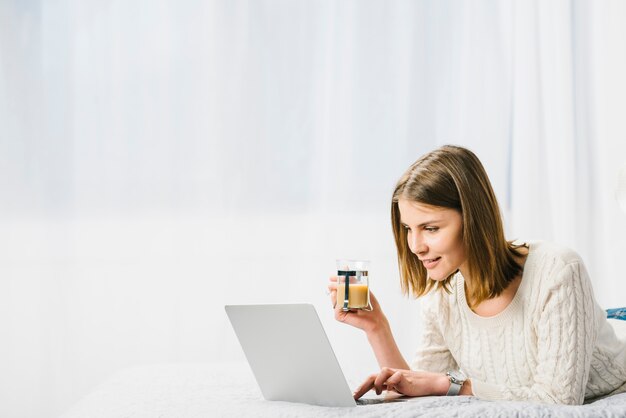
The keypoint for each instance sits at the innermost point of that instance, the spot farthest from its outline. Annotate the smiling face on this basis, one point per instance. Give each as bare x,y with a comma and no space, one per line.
435,236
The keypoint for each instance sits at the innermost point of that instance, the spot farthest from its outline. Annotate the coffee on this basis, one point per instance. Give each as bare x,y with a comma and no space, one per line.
358,295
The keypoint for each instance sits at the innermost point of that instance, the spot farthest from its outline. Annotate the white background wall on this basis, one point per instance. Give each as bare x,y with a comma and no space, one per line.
160,159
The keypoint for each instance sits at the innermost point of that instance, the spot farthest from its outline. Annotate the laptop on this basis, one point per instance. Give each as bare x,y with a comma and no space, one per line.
291,357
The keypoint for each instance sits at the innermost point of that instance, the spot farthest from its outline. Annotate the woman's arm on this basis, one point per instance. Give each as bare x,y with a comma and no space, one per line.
433,354
432,360
375,325
385,347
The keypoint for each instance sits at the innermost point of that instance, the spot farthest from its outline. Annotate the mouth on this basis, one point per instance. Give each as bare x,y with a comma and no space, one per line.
431,262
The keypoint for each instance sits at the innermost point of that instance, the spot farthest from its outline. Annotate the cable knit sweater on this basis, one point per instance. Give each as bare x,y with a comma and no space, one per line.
551,344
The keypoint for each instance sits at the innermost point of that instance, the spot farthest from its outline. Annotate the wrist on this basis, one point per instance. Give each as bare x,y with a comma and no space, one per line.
378,328
457,383
442,385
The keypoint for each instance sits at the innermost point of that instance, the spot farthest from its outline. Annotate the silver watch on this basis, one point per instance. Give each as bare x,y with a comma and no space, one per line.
457,378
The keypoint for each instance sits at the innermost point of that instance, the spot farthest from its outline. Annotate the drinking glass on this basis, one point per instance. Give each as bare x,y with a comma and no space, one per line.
353,286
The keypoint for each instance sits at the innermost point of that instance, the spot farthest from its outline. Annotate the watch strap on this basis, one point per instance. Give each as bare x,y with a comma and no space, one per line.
457,378
454,389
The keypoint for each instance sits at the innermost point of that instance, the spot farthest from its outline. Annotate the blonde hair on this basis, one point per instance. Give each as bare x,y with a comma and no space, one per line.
453,177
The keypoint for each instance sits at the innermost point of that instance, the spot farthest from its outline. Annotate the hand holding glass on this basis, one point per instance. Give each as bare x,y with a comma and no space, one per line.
353,285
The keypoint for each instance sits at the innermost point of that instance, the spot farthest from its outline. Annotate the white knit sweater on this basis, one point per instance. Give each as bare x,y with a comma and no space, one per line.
552,343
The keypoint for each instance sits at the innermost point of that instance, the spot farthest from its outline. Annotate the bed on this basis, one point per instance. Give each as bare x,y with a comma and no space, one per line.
229,390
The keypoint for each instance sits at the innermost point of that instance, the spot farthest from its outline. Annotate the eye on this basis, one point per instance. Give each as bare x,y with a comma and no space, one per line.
431,228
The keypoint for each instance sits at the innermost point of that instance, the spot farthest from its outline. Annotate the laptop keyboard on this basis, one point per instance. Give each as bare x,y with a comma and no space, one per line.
363,401
374,401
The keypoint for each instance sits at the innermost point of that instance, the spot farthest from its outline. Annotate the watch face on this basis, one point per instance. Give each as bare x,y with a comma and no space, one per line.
457,375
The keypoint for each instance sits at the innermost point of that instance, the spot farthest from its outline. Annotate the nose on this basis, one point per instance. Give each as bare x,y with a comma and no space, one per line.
416,244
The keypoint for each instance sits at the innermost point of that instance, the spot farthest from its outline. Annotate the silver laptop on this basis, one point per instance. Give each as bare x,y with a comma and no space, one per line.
290,355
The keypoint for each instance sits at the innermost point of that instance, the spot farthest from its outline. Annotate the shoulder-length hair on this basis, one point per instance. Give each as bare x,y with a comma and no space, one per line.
453,177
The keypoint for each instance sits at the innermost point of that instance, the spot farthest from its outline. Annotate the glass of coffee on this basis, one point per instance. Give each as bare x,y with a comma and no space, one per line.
353,287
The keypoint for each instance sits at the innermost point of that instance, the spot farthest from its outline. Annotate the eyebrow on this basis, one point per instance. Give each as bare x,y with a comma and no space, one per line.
433,221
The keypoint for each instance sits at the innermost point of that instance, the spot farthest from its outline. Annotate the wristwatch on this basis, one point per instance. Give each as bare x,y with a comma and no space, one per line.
457,378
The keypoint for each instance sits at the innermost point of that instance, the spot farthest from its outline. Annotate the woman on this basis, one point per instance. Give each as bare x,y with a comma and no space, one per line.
520,321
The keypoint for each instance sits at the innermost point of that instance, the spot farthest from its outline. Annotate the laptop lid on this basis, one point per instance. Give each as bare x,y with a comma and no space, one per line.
289,354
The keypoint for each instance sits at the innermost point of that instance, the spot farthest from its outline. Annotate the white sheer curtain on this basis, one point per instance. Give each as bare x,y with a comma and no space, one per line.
160,159
567,137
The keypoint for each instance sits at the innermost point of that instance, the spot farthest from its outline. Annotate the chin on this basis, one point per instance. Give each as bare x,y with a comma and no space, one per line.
439,277
436,277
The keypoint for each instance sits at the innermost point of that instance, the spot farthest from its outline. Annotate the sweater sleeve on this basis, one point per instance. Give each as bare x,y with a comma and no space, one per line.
432,354
565,341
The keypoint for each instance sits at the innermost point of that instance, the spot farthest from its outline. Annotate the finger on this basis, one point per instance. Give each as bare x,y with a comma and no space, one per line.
339,302
379,382
333,279
394,381
332,292
333,298
365,387
395,378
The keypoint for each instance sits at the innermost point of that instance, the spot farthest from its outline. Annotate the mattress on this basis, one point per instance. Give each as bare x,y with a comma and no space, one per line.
229,390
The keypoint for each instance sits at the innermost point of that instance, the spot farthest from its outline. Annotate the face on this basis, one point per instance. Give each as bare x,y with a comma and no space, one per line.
435,236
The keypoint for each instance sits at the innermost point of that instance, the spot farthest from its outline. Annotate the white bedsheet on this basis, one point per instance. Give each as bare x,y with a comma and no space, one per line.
229,390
